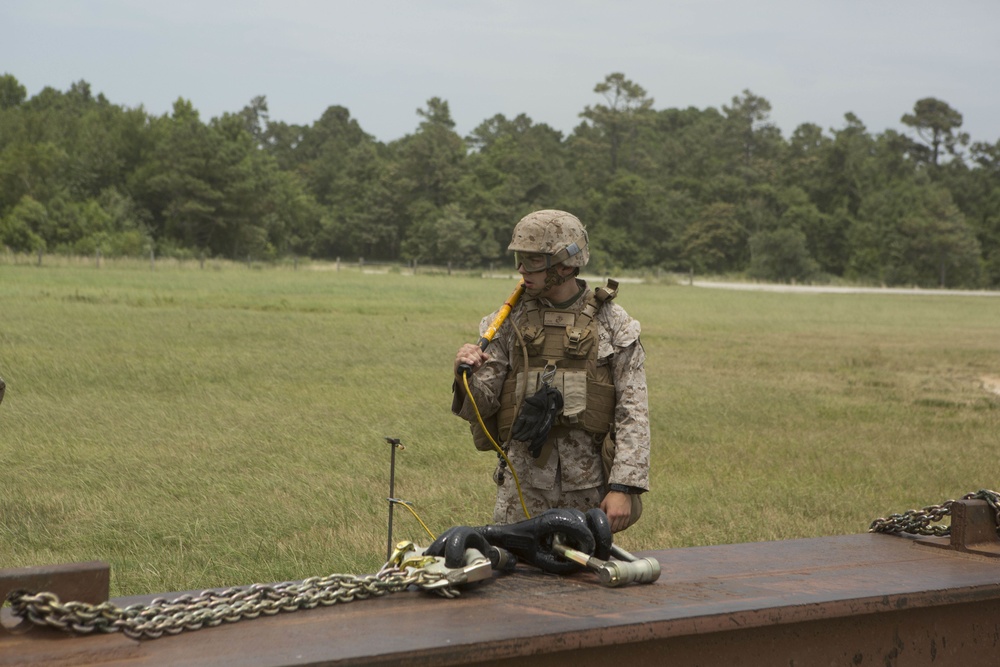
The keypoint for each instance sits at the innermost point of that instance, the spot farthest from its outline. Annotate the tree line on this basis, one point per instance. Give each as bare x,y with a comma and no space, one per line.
704,190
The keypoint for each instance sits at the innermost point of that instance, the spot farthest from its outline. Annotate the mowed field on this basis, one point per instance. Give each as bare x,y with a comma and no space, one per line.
223,425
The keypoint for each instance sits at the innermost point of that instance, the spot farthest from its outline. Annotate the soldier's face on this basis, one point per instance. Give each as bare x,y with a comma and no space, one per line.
541,283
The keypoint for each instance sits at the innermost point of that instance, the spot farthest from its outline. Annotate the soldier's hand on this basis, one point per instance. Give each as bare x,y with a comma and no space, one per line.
618,507
472,356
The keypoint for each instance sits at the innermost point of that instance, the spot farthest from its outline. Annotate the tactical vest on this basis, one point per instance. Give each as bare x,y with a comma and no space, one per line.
562,350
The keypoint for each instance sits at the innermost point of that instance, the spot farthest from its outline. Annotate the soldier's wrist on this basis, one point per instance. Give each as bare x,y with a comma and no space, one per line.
624,488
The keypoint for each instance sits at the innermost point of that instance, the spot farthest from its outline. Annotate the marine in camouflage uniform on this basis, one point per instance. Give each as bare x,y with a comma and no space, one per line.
569,471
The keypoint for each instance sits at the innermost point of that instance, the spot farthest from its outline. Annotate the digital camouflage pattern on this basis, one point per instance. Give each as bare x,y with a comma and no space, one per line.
573,475
549,231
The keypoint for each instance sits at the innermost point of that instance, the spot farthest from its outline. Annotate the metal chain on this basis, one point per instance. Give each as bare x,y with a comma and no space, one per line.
211,608
919,522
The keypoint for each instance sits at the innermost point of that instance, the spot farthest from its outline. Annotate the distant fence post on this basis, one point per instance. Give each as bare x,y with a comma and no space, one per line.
97,257
152,260
201,261
414,266
361,263
449,267
338,264
39,257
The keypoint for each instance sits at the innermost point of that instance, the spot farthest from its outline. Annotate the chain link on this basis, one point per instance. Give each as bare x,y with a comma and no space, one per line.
922,521
211,608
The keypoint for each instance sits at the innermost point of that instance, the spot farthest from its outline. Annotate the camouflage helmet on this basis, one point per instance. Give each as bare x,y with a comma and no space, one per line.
556,233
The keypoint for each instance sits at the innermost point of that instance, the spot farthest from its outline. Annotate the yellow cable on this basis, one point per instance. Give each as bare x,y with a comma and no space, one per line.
482,425
415,515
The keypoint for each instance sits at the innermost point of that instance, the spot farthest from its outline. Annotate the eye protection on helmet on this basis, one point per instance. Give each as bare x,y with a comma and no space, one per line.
532,261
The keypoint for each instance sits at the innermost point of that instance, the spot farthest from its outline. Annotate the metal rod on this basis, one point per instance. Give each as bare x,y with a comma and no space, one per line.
629,569
393,444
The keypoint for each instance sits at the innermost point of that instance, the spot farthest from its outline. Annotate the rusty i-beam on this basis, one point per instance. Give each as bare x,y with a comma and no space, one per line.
868,599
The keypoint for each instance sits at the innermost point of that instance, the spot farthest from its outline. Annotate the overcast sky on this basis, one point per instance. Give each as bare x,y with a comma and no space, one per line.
383,59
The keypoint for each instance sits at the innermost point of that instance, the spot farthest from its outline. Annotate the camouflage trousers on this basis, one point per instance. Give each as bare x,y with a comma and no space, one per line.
508,506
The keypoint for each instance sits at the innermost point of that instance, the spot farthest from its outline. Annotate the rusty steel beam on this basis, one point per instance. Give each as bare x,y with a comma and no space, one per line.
849,600
23,644
87,582
973,530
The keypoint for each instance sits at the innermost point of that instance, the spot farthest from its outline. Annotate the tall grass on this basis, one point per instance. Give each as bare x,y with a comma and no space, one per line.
221,426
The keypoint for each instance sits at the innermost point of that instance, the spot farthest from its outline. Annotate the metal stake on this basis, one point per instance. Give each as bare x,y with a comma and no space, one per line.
393,445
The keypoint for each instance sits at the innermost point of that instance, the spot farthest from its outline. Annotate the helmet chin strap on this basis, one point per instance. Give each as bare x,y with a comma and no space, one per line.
552,279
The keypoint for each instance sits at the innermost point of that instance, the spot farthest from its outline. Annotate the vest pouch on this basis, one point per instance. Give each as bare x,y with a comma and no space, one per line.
534,339
601,403
480,439
533,383
579,342
573,385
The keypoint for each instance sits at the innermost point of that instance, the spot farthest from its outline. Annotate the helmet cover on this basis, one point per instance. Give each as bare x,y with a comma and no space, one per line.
552,232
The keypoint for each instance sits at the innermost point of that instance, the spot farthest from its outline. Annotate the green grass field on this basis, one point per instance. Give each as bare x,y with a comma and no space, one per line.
203,427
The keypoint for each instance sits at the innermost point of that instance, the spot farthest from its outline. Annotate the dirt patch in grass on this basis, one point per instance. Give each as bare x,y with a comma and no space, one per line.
991,383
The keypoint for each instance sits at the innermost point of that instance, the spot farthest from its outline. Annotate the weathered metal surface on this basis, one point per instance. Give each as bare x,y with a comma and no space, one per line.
50,648
850,600
973,530
86,582
20,643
